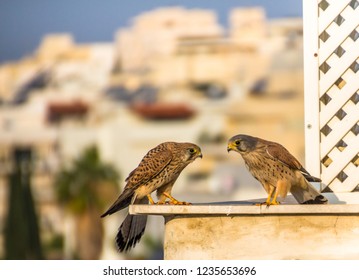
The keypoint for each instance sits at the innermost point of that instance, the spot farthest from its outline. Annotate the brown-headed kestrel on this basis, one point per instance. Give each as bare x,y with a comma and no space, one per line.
158,171
276,169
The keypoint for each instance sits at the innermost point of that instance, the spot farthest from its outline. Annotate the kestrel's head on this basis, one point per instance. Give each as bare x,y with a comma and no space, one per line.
242,143
189,151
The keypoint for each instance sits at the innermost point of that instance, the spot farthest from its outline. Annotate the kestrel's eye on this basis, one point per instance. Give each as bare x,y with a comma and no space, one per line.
192,151
237,142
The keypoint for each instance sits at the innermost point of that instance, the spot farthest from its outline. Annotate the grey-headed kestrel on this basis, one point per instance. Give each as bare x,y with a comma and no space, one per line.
276,169
158,171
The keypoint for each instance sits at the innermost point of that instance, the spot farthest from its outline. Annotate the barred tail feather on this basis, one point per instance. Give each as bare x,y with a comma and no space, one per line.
308,194
320,199
131,230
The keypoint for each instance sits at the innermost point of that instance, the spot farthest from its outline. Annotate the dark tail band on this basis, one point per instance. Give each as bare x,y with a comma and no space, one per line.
130,232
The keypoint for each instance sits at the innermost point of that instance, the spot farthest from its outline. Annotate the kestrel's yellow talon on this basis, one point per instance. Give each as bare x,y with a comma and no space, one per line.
272,203
260,203
150,199
274,200
174,201
183,203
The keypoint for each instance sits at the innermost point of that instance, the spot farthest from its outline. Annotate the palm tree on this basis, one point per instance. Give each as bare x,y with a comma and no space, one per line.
84,188
22,236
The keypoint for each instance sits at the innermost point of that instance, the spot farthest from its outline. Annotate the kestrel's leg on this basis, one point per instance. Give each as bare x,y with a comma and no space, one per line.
150,199
175,201
163,193
281,189
270,190
161,199
160,193
274,200
270,194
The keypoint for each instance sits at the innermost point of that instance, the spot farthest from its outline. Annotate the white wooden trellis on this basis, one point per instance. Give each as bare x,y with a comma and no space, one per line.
331,84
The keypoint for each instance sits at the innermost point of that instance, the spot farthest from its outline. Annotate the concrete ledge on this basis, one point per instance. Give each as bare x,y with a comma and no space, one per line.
242,209
245,231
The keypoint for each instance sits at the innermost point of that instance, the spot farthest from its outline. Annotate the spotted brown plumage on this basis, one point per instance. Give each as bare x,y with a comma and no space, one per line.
276,169
157,171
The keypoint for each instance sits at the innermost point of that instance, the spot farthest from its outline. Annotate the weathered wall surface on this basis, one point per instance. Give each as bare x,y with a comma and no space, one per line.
263,237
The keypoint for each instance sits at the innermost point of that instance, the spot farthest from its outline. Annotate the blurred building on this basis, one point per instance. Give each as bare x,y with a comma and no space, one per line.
172,75
153,35
248,27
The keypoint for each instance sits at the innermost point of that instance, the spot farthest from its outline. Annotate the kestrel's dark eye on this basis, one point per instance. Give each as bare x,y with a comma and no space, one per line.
237,142
192,151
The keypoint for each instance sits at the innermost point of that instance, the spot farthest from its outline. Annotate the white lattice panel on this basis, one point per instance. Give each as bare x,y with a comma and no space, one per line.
331,63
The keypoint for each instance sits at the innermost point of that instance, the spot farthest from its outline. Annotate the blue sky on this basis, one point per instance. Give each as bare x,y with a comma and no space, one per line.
24,22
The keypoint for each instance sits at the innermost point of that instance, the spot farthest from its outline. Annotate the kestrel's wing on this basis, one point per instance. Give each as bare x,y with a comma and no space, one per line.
150,166
281,154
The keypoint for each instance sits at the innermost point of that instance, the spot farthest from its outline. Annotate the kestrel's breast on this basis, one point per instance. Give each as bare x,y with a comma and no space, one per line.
268,170
168,174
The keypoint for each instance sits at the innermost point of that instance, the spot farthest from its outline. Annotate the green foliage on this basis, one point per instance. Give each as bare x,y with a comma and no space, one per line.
88,182
53,247
22,239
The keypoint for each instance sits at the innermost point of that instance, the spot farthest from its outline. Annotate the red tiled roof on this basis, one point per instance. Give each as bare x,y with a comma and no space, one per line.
163,111
58,110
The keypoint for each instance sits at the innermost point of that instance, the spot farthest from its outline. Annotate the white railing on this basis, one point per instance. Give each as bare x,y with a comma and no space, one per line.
331,84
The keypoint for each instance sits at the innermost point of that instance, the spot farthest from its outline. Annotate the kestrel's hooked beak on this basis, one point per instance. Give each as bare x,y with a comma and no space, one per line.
231,147
200,155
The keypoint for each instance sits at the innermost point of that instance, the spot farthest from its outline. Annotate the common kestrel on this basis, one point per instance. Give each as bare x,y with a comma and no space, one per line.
276,169
158,171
